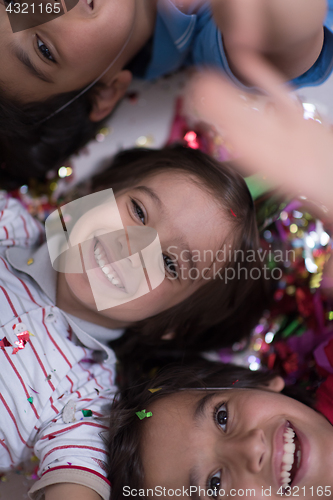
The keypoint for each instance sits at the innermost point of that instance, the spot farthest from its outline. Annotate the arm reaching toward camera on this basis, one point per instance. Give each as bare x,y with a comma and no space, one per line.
273,138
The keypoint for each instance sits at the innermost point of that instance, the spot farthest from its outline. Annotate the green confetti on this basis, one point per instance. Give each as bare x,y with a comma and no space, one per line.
154,390
87,413
142,414
291,328
31,400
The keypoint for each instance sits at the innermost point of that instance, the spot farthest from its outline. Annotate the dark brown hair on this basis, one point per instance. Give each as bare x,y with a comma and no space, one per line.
126,430
218,313
30,147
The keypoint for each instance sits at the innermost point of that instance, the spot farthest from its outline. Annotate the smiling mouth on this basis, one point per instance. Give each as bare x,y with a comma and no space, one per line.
108,270
292,455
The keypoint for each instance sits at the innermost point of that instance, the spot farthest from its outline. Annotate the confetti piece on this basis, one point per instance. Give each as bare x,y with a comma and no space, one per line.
97,391
233,213
33,390
23,336
4,343
30,261
132,97
49,378
235,382
154,390
31,400
142,414
87,413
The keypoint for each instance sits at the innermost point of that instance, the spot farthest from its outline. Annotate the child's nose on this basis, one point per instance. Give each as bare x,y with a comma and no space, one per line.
254,449
123,244
249,450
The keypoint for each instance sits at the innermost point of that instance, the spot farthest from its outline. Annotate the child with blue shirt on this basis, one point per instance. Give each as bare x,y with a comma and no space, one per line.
78,62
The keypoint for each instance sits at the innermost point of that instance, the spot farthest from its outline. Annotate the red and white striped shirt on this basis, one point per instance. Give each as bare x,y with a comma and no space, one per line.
46,386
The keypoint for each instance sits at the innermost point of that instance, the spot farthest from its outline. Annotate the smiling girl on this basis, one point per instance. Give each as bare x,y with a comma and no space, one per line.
55,333
202,211
224,429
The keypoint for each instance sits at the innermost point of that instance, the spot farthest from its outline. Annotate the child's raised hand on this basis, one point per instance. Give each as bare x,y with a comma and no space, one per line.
271,137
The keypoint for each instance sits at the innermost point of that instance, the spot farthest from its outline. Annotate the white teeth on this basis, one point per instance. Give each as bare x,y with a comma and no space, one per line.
289,448
101,258
288,458
89,2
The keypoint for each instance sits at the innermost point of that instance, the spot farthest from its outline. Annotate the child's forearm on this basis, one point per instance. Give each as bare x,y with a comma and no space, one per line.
288,34
70,491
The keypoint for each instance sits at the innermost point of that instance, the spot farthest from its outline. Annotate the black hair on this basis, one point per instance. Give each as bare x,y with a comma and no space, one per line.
31,145
126,429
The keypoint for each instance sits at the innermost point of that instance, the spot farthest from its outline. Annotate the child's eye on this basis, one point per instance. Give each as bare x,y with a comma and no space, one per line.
44,50
221,416
214,484
138,212
169,265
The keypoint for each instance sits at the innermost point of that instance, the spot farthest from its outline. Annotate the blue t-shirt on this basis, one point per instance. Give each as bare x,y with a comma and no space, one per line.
194,39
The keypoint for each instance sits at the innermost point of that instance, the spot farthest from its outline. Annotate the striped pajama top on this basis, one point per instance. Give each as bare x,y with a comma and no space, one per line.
53,394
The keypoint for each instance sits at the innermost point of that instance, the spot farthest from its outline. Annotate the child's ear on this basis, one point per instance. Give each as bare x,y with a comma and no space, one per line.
276,384
108,94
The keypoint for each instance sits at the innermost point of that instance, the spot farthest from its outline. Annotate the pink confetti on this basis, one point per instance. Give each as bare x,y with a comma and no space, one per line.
33,390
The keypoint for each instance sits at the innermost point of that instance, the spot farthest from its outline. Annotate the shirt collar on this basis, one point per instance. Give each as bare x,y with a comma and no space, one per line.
180,26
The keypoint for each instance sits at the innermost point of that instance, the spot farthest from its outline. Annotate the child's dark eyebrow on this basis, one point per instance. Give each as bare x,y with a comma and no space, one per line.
150,192
201,406
25,59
